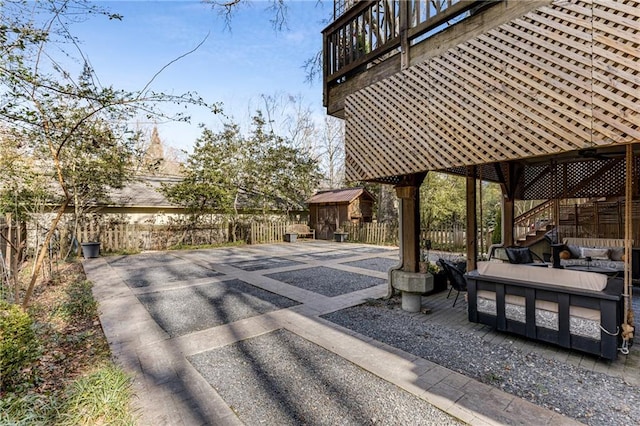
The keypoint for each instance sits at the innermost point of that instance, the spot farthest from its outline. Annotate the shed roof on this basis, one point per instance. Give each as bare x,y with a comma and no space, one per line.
338,196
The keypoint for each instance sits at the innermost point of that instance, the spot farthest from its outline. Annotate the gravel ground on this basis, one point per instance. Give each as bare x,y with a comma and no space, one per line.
381,264
195,308
282,379
327,281
329,255
260,264
589,397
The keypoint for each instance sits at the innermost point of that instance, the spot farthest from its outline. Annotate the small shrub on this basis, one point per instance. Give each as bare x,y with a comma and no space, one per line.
19,346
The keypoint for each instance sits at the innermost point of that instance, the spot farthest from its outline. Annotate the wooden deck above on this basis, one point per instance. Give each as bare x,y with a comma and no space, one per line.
373,40
561,77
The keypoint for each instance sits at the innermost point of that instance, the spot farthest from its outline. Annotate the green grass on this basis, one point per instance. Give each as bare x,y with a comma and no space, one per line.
28,410
100,398
123,252
206,246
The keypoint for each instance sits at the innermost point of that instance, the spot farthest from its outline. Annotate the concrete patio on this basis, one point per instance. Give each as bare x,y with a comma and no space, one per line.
170,316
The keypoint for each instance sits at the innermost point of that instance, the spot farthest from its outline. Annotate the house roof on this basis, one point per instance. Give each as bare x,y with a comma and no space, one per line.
338,196
143,192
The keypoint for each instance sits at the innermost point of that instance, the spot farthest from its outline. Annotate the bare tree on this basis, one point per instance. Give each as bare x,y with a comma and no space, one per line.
331,151
289,116
276,8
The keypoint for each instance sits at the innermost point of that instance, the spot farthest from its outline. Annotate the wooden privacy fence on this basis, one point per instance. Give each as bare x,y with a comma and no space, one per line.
372,233
601,219
445,236
137,237
452,237
140,237
267,232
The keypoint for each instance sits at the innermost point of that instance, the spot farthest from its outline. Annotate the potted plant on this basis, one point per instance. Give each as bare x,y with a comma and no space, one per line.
439,277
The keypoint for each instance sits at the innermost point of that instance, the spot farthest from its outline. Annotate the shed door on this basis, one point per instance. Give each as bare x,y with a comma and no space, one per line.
326,222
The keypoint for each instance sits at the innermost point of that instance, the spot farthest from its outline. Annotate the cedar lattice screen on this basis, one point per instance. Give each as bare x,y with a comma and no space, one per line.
562,78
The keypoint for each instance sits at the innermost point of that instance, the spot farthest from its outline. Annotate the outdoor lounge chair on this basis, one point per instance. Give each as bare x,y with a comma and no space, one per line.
456,278
521,255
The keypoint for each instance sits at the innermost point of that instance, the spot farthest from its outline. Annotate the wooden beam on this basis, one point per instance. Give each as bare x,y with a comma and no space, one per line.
472,222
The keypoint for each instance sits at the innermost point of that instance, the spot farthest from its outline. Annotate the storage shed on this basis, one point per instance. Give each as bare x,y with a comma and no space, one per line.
329,210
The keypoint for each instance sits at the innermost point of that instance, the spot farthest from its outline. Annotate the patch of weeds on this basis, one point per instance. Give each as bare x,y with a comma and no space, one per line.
372,302
79,338
493,378
79,301
542,390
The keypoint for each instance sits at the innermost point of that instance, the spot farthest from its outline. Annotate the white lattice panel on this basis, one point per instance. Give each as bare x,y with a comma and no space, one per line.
562,78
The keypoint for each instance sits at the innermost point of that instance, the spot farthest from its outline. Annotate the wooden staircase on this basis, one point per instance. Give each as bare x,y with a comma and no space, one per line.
535,236
531,226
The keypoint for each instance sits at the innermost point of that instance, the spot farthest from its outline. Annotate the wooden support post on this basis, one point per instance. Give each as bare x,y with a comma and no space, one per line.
408,191
472,222
404,39
556,216
508,185
508,213
628,326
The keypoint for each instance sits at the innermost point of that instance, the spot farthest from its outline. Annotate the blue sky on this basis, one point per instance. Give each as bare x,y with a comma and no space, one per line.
233,66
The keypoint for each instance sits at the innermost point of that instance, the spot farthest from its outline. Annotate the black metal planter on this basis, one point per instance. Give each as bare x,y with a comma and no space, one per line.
90,250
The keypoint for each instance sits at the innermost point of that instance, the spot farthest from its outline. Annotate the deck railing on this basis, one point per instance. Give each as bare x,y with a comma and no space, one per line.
534,219
366,31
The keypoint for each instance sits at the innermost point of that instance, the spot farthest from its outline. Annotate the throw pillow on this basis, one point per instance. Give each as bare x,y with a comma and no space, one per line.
616,253
595,253
565,254
575,251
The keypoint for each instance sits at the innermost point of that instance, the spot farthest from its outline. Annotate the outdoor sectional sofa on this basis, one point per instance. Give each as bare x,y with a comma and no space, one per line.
572,309
612,259
604,252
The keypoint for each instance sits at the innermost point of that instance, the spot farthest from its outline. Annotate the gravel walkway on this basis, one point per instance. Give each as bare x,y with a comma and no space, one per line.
282,379
590,397
380,264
